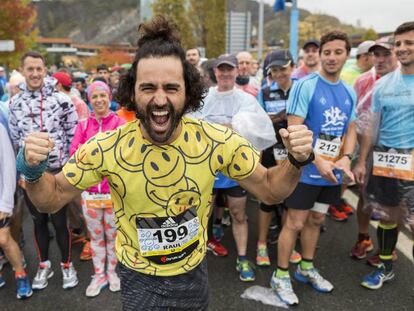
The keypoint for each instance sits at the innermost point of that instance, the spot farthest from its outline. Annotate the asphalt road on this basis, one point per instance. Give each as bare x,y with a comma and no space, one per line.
225,287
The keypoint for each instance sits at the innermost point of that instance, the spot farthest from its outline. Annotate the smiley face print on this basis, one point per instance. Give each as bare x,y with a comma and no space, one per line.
90,156
243,163
195,148
164,167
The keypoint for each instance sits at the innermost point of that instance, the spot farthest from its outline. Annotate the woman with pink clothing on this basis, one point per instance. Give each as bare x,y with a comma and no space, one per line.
96,201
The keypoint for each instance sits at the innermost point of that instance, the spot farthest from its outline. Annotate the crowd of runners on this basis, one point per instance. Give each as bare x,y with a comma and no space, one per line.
142,165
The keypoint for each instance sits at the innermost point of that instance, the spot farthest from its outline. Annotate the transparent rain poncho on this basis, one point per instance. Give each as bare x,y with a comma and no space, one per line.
389,178
242,112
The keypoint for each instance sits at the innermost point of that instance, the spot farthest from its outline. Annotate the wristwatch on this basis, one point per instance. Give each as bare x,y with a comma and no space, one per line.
298,164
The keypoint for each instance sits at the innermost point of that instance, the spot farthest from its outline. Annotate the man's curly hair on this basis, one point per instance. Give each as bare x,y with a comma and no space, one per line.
158,38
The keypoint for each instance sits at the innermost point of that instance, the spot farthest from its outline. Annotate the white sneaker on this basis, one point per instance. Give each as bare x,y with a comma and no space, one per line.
114,282
44,272
284,290
70,278
313,278
99,282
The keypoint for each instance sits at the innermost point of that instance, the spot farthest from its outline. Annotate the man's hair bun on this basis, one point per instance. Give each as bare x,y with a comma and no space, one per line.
159,28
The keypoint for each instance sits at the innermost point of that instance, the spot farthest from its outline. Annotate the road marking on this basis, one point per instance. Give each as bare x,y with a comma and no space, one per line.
404,244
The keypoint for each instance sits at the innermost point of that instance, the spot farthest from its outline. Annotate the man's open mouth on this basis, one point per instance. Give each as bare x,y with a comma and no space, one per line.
160,120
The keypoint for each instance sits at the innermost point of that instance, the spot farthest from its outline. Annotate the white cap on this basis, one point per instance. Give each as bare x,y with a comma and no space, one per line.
364,47
1,68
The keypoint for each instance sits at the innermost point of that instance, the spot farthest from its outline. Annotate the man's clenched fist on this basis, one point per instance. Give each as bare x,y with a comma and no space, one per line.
37,148
298,141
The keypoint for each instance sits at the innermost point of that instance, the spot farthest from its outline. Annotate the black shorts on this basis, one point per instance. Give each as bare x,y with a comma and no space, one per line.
187,291
5,222
236,192
390,192
305,196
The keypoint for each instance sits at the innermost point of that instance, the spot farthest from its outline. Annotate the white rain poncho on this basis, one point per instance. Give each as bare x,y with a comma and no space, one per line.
242,112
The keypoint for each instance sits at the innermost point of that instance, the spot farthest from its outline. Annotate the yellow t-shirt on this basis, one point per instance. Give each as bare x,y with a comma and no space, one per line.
162,194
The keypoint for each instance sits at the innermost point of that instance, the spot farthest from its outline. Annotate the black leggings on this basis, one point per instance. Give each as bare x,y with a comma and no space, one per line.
41,229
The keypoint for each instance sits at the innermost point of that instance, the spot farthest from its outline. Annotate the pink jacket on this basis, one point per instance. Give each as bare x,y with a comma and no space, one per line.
88,128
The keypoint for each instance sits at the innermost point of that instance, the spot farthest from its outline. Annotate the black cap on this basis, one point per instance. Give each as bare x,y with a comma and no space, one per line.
282,58
227,59
311,42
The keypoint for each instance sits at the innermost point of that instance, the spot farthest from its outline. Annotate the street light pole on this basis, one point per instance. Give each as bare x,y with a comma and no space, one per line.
260,34
294,19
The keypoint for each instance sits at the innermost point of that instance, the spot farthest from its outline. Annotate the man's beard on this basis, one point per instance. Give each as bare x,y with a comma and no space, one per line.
145,116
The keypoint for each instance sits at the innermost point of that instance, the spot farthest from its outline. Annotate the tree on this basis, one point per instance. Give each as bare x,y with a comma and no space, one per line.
176,11
208,21
108,57
370,34
215,25
17,18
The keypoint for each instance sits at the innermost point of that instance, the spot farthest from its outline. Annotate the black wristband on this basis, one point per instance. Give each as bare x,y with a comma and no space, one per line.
298,164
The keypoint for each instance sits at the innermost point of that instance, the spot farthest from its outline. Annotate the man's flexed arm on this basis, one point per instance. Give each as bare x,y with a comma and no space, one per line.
49,193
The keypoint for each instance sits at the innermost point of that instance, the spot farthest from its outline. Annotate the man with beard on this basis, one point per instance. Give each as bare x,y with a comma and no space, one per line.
161,169
244,80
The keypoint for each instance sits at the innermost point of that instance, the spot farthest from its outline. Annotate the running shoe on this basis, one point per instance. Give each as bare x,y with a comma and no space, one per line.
336,214
313,278
216,248
346,208
283,289
114,282
295,257
218,232
246,270
44,272
361,248
2,281
262,257
86,253
69,275
23,288
375,261
377,278
98,283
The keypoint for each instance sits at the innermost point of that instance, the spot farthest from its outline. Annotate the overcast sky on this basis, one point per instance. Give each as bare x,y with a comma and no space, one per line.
382,15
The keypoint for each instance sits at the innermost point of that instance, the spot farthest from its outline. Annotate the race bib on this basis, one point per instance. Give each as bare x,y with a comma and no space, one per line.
165,240
328,146
280,153
275,106
394,164
97,200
